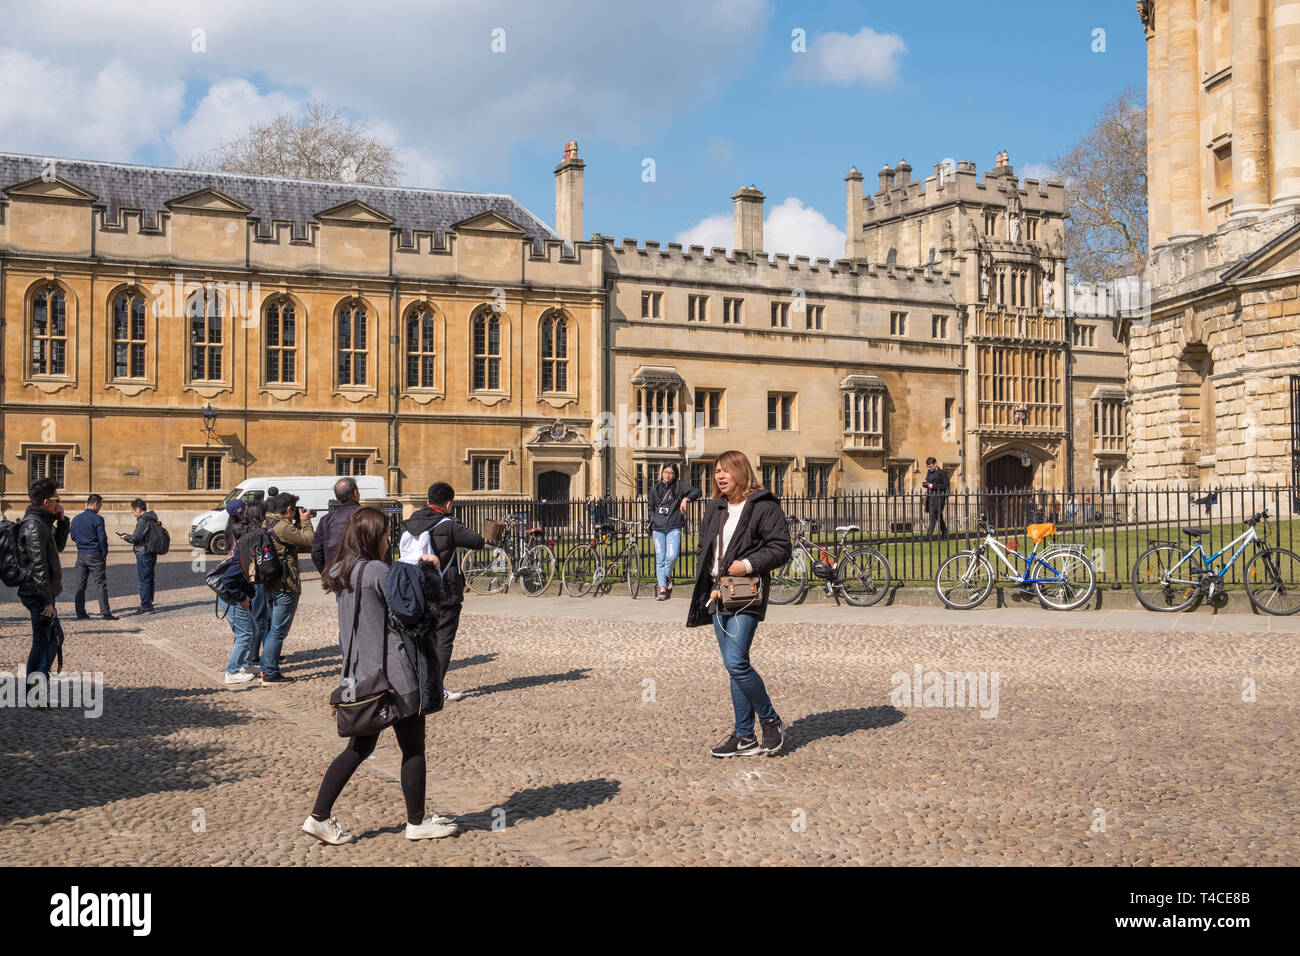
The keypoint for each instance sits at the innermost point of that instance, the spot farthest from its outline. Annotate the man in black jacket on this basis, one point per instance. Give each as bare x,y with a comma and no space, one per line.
43,532
936,498
329,530
434,534
146,562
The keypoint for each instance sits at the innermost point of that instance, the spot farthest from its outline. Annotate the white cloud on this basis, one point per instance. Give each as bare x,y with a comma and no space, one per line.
225,113
103,112
1040,171
791,227
864,57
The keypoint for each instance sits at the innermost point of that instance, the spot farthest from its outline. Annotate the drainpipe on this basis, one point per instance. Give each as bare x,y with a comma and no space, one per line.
607,399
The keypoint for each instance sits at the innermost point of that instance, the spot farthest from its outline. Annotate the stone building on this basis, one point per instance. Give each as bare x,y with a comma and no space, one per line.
334,328
1214,368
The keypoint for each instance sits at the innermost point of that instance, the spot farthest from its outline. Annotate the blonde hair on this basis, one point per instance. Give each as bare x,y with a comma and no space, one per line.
736,464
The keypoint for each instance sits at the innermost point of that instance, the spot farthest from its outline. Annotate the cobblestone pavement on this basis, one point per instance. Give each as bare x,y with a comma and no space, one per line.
562,740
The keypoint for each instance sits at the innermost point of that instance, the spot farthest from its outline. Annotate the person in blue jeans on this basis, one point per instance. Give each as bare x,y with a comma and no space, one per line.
743,533
240,615
667,505
277,602
144,561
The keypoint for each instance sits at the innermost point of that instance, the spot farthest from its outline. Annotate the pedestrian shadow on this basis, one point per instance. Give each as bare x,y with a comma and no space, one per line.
471,661
837,723
537,802
61,759
521,683
331,655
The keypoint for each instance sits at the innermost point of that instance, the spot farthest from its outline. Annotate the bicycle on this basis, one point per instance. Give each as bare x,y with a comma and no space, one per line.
861,575
590,567
522,556
1167,577
1067,581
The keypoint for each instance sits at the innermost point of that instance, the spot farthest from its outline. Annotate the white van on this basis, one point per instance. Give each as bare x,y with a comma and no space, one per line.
208,530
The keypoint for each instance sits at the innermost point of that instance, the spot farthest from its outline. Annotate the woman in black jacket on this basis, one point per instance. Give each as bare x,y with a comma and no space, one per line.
667,504
755,540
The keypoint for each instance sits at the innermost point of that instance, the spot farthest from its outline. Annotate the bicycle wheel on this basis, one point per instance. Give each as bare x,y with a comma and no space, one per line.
1273,581
580,569
1156,587
486,571
862,576
1078,581
790,580
537,569
964,580
632,571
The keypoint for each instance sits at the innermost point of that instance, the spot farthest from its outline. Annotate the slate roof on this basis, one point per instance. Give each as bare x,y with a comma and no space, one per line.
147,188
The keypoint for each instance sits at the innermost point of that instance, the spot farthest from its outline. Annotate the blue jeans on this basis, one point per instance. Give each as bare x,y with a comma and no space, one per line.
735,633
274,611
144,568
241,625
668,544
42,654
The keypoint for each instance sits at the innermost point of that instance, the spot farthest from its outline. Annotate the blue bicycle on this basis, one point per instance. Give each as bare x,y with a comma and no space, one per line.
1167,577
1062,576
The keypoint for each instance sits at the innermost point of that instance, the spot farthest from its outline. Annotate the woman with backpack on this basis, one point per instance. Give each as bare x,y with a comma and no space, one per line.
667,504
743,535
357,579
242,518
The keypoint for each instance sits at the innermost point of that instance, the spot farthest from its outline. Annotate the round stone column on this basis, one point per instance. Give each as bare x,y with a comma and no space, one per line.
1251,179
1285,43
1185,160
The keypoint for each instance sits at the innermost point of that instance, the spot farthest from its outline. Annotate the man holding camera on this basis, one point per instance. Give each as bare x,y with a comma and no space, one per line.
936,496
277,602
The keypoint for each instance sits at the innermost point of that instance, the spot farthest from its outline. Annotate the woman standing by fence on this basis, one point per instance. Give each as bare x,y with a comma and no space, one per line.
743,533
667,504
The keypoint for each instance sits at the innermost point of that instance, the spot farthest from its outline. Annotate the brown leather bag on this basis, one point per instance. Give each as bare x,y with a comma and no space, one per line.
737,591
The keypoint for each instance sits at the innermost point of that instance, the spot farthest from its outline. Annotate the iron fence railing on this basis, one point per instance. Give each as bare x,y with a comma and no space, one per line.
1113,527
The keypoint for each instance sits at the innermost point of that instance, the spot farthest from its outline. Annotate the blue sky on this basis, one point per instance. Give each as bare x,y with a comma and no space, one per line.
712,93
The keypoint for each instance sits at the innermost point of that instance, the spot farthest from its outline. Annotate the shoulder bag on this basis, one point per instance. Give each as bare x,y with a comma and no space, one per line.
369,706
737,591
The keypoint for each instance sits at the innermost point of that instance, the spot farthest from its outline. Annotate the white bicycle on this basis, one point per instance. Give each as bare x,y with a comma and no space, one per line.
1062,576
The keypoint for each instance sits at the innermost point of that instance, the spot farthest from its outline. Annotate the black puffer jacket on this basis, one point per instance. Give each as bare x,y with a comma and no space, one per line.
762,538
670,497
418,638
43,537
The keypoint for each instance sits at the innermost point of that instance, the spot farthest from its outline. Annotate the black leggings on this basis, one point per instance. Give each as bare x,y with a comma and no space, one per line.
410,737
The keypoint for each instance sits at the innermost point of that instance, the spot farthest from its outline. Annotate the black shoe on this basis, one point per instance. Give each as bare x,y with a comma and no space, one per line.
735,746
83,617
277,679
773,735
109,616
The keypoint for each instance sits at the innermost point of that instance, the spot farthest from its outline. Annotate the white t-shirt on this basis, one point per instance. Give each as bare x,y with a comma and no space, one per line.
728,529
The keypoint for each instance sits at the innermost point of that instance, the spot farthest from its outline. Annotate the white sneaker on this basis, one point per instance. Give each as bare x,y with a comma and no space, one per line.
327,831
439,818
430,829
253,669
239,677
452,694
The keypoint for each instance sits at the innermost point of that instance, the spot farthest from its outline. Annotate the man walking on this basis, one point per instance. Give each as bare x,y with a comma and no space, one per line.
434,532
329,530
87,530
936,498
43,533
145,560
277,601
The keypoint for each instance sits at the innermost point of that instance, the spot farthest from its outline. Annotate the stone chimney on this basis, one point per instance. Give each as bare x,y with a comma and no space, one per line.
568,194
904,171
853,212
748,233
886,178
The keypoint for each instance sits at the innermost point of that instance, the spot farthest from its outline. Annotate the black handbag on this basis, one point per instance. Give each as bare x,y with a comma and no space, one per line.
737,592
365,707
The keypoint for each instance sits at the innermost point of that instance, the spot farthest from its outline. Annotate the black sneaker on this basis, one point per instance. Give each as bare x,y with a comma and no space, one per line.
277,679
83,617
773,735
735,746
110,616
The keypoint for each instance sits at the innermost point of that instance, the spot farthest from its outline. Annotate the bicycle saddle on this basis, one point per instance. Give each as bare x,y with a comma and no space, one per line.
847,528
1038,532
1194,532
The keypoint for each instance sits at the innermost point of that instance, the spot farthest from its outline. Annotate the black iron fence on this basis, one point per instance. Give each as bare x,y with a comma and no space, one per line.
1113,527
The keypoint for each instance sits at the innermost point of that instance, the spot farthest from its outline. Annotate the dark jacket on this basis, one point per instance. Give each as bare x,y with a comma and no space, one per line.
670,497
762,538
288,539
42,536
444,538
329,533
937,495
406,587
366,653
137,537
87,530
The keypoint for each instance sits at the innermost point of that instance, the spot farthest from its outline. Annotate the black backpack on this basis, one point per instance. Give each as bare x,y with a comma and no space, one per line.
14,569
156,539
259,558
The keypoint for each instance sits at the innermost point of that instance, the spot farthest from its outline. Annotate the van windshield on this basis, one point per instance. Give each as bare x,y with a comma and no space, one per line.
248,496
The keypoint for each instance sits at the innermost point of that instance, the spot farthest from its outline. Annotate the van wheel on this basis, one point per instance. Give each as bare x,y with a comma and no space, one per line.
217,543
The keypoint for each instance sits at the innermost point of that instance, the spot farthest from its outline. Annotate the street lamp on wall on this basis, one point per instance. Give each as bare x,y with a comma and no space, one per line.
209,420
